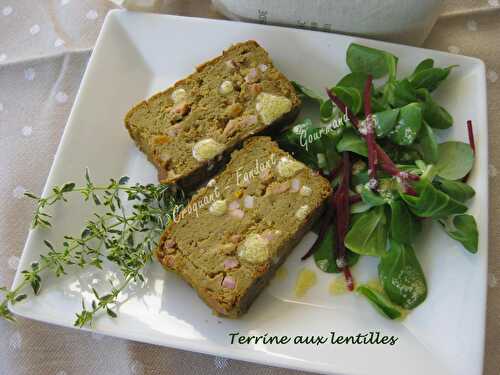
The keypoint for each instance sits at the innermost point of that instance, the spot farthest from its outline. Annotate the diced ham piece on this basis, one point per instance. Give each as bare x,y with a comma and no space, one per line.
238,214
252,76
237,123
229,282
280,188
170,243
231,263
234,205
170,261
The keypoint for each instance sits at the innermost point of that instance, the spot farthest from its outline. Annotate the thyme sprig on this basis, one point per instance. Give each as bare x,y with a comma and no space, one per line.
125,234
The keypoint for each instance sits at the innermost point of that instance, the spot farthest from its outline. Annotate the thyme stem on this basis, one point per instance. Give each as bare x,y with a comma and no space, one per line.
126,239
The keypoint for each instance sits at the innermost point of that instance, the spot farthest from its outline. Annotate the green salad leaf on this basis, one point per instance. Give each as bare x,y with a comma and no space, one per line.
423,65
455,160
360,207
370,197
408,126
356,80
360,177
436,116
402,277
350,96
351,141
326,111
292,141
399,93
457,190
378,104
372,61
380,302
312,145
326,254
428,145
404,227
430,78
462,228
433,203
368,234
385,121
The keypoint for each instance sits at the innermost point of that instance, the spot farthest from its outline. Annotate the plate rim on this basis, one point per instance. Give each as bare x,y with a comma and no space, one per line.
229,352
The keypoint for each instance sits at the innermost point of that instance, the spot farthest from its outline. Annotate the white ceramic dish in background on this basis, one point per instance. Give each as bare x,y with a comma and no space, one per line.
402,21
138,54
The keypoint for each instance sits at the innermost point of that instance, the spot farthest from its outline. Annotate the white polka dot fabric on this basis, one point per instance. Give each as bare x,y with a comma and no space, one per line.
44,48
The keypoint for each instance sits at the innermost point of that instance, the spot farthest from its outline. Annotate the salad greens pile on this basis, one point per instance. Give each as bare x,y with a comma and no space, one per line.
378,146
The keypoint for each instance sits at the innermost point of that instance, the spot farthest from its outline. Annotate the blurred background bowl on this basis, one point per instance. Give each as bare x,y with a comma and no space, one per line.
402,21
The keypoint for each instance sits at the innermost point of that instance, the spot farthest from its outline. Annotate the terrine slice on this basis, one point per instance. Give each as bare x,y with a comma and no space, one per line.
189,129
234,233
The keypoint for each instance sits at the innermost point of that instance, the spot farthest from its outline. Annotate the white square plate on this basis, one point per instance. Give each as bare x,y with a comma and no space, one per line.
139,54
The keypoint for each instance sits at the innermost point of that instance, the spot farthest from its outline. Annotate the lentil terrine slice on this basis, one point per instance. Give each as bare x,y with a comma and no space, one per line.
188,129
236,231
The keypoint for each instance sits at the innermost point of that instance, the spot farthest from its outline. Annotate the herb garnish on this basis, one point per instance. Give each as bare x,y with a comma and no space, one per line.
388,173
125,231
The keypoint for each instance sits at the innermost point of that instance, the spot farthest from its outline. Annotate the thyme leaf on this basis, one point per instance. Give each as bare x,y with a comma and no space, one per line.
124,231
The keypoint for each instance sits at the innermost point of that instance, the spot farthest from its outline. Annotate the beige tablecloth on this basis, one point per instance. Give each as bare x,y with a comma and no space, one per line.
44,48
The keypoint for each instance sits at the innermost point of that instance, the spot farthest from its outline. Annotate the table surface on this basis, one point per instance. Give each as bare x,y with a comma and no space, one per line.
44,49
